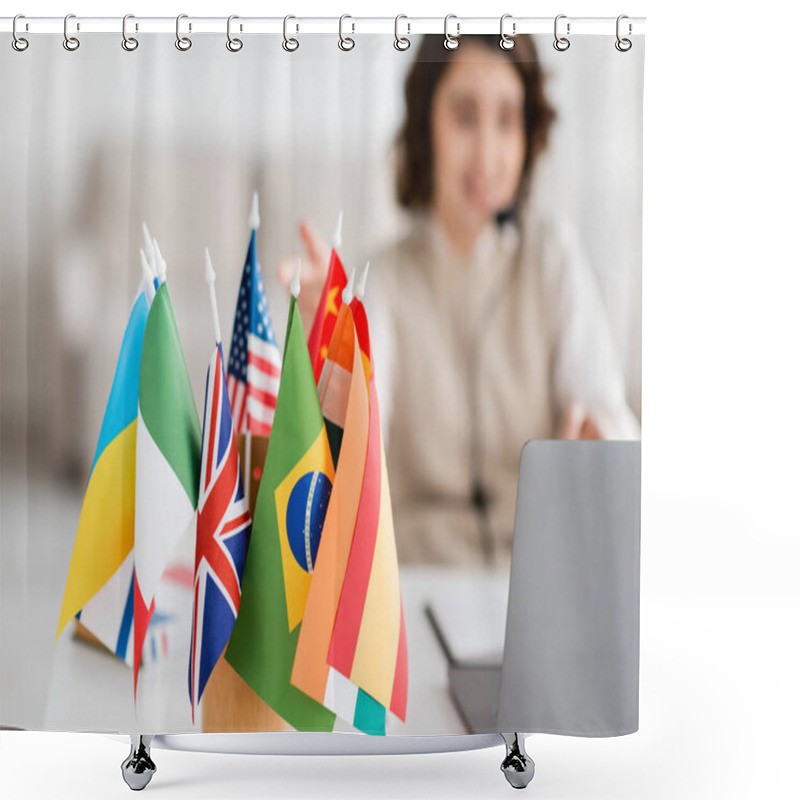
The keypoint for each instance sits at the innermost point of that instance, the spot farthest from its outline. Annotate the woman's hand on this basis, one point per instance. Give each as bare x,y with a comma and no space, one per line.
313,271
578,424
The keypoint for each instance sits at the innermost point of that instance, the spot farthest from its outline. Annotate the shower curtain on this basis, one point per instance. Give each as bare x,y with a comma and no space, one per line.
240,494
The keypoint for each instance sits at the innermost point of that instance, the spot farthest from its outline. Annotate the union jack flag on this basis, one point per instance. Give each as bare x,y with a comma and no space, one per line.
223,535
254,362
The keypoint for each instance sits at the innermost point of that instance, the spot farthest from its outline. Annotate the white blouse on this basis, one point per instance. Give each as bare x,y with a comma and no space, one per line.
474,356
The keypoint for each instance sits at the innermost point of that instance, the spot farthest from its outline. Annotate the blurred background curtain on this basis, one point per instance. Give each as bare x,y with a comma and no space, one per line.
97,141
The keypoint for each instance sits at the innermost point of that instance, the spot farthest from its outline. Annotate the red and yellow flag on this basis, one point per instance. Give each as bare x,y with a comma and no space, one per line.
328,309
345,407
368,643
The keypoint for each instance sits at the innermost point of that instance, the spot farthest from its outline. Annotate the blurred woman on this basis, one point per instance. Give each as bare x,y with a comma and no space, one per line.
489,327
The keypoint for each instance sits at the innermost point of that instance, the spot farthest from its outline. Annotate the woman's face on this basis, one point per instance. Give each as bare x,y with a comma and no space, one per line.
478,134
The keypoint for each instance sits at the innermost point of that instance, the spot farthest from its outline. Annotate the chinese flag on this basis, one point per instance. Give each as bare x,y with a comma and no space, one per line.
328,309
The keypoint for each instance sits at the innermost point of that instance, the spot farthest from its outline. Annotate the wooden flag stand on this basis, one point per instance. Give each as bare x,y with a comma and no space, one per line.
229,704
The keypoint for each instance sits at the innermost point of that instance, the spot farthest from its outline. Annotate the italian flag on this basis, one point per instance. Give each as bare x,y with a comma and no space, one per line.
168,445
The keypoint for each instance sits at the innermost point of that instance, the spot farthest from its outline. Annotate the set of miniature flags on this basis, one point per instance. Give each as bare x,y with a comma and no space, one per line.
303,599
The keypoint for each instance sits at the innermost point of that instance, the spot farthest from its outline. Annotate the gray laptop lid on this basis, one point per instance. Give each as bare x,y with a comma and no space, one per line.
571,662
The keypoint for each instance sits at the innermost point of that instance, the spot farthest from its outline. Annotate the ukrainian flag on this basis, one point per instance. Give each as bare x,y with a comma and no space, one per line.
105,529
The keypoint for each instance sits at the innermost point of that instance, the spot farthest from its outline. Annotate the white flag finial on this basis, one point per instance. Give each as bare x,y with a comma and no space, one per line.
295,289
255,219
361,288
336,242
347,294
149,251
160,265
147,278
210,274
210,278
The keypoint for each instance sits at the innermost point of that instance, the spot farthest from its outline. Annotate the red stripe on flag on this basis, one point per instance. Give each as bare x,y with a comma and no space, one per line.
141,620
208,520
362,551
257,427
236,523
400,688
362,328
177,573
264,397
267,367
241,406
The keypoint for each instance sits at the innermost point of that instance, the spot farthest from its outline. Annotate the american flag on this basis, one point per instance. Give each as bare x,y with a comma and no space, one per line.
254,362
223,535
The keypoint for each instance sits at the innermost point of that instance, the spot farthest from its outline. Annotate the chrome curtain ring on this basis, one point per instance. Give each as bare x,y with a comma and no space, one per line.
289,44
129,43
182,42
623,44
561,43
401,42
507,42
451,42
346,42
233,44
18,42
70,42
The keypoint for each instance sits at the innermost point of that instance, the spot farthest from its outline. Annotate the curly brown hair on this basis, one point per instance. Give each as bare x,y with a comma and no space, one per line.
414,177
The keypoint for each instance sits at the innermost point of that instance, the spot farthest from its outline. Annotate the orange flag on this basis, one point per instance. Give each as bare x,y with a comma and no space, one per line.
368,644
345,408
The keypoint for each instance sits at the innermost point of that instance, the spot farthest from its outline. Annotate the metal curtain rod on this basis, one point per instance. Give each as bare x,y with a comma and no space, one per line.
323,25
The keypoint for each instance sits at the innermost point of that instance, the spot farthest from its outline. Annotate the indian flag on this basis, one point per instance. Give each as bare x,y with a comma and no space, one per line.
287,524
345,408
167,459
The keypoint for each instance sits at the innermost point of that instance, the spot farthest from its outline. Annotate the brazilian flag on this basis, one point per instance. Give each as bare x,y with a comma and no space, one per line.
287,523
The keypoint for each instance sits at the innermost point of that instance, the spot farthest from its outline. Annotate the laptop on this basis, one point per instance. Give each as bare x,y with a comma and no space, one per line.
570,662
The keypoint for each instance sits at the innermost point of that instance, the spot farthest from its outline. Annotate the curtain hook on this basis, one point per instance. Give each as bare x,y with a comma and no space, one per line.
561,43
129,43
401,42
233,44
182,42
507,42
71,43
450,41
345,42
289,44
18,42
623,45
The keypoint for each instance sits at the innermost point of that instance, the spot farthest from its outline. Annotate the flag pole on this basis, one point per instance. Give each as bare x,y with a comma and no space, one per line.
347,294
161,264
336,242
210,278
255,219
295,287
361,286
147,277
149,250
255,222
